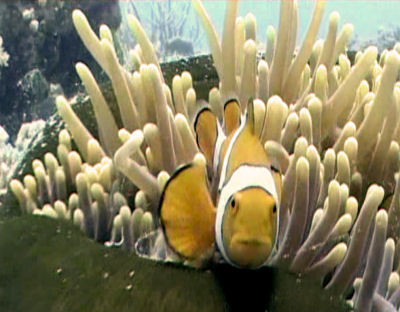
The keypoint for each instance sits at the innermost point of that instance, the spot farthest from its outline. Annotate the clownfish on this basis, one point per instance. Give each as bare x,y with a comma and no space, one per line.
230,203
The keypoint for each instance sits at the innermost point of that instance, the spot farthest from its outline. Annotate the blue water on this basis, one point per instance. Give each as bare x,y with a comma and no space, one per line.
367,16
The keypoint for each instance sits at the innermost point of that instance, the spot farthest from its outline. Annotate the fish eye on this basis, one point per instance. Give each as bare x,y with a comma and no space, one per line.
234,205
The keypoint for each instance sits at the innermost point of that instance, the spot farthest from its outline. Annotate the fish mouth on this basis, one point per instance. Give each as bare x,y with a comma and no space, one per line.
250,252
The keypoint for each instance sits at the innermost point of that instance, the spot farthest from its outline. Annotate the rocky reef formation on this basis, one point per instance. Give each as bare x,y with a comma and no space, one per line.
39,65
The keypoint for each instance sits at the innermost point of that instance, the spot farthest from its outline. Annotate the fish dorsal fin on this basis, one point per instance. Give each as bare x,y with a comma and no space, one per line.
187,213
206,128
232,115
244,147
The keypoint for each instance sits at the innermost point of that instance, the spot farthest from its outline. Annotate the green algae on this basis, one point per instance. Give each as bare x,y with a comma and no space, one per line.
49,265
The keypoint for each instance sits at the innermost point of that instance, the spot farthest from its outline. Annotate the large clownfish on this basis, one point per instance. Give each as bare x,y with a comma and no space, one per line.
235,210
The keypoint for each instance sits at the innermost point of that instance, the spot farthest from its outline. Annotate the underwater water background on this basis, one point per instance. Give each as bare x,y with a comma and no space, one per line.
38,82
369,17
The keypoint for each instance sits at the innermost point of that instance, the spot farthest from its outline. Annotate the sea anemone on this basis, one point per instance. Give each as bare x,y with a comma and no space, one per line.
328,124
10,152
87,193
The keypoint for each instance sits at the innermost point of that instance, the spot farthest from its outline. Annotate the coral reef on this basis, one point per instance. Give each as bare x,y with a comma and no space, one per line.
4,56
11,152
328,125
44,55
172,27
386,39
86,193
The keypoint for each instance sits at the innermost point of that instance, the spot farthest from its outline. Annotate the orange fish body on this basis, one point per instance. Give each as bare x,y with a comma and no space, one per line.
243,214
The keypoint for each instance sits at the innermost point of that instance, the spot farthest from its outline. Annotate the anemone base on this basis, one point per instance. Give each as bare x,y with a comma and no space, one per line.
49,265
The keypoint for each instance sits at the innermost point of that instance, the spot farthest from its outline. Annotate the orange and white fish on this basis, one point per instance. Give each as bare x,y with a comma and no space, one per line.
236,209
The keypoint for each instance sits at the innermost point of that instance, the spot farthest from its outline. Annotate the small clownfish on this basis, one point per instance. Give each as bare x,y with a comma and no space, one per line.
236,209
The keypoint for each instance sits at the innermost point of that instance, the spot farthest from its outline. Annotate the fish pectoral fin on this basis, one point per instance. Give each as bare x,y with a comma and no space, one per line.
188,214
206,128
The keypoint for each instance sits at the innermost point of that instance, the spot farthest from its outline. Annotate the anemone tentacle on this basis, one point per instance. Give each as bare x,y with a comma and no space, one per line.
329,124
